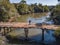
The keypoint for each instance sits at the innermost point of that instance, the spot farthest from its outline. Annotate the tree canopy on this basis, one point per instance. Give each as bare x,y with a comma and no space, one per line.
8,10
55,15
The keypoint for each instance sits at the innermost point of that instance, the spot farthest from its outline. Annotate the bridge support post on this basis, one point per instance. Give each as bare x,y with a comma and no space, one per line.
7,30
42,35
26,33
4,32
10,29
0,29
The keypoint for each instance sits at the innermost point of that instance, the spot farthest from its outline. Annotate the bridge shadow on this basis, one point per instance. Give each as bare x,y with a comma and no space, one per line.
23,40
33,40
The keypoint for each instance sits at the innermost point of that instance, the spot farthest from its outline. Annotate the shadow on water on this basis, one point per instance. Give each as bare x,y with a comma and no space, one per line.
35,39
23,41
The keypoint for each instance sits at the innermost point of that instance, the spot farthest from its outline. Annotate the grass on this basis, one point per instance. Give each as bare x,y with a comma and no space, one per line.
16,33
2,39
13,34
23,18
57,32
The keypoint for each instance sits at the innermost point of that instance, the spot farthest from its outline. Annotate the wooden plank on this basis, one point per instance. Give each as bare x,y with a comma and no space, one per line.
26,25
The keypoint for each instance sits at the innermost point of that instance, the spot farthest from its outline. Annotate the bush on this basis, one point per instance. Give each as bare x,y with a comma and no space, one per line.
57,32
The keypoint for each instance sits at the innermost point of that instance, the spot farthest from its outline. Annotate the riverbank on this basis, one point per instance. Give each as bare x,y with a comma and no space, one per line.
23,18
34,35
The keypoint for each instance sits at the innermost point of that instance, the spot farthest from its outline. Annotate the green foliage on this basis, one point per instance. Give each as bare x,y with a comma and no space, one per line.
23,8
4,8
9,11
38,8
31,8
57,32
46,9
3,14
23,2
56,14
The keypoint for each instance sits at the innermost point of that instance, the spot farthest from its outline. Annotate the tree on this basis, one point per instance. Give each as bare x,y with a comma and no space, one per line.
40,7
23,7
4,7
46,9
23,2
37,8
31,8
55,15
3,14
7,10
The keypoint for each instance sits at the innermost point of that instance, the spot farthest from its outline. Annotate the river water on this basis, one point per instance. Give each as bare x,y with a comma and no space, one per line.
48,35
35,34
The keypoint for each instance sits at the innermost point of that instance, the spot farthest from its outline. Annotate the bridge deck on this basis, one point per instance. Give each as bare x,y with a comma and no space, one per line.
26,25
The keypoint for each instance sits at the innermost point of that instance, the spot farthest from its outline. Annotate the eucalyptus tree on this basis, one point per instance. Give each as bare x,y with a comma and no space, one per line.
46,9
55,15
23,7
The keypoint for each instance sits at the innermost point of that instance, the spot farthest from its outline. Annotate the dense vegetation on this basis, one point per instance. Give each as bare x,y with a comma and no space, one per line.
57,32
10,11
55,15
24,8
7,11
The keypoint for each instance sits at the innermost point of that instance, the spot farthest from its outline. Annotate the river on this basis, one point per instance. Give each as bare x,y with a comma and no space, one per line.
48,35
35,34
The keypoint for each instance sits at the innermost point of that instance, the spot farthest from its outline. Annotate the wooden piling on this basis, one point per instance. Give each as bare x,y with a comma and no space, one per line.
26,33
10,29
7,30
0,29
42,35
4,32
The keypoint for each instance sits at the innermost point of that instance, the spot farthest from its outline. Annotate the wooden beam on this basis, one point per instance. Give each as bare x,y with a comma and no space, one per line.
26,33
42,35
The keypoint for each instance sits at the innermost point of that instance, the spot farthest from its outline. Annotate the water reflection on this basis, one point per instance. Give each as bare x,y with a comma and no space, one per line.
48,35
36,34
40,20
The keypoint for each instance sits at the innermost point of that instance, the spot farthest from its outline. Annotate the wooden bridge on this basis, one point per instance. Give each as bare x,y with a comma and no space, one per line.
26,25
6,27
